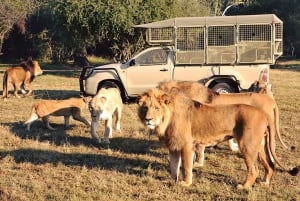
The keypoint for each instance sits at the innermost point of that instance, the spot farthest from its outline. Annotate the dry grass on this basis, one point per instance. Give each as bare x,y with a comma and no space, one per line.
66,165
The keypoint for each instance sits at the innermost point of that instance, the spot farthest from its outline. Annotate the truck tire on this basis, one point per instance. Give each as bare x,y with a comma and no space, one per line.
223,88
107,84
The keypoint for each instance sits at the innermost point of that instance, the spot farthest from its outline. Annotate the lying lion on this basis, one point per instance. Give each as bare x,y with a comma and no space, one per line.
20,77
66,108
203,94
180,123
105,105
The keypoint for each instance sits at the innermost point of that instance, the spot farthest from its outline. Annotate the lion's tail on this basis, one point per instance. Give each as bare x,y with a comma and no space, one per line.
271,147
5,83
276,117
32,118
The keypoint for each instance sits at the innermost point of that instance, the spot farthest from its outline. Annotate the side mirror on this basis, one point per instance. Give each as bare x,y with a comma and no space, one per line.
132,62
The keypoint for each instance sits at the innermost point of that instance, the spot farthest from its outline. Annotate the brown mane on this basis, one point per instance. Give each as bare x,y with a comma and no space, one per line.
182,124
29,66
21,76
203,94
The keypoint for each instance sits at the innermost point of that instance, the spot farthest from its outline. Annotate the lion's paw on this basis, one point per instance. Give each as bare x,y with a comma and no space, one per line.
264,183
233,146
198,164
243,187
23,91
105,141
97,140
184,183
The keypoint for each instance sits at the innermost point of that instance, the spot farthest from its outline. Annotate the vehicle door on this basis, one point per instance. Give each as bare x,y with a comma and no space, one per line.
147,69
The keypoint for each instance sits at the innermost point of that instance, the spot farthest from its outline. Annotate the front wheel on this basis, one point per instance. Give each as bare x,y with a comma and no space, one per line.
223,88
109,84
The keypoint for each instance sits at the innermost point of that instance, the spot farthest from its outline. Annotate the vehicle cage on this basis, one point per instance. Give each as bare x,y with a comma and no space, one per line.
243,39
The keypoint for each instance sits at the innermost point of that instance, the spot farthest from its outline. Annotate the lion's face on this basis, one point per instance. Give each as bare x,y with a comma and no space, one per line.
97,108
36,68
153,108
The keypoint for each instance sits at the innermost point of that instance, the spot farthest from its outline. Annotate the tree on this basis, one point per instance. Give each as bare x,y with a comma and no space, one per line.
59,28
81,24
123,15
14,13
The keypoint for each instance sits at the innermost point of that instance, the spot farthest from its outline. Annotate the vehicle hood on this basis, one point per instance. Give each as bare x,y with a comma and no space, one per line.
115,65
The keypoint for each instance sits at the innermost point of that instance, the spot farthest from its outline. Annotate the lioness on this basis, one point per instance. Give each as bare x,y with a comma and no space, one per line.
181,123
200,93
106,104
69,107
263,88
21,76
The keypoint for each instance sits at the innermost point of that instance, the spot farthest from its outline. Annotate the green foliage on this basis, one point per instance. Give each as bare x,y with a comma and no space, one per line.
60,27
14,12
74,24
191,8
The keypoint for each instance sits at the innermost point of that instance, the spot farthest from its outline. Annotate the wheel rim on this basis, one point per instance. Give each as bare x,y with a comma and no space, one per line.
223,91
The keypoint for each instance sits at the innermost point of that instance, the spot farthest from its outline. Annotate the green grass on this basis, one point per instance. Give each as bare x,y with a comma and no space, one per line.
67,165
98,60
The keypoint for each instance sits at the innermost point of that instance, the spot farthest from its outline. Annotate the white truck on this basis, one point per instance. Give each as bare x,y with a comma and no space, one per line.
225,53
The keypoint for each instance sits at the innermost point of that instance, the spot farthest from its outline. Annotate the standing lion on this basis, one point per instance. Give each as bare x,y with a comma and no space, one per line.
106,105
181,123
21,76
203,94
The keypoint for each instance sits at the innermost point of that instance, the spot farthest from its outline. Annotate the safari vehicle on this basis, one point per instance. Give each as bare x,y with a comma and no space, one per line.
225,53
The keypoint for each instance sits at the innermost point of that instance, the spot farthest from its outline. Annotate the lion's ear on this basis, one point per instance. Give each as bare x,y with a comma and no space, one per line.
103,99
166,99
87,99
174,90
139,100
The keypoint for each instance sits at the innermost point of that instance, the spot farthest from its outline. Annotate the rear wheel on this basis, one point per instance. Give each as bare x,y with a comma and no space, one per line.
223,88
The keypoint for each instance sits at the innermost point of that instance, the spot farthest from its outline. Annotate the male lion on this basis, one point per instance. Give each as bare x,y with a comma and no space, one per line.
69,107
106,104
21,76
181,123
199,92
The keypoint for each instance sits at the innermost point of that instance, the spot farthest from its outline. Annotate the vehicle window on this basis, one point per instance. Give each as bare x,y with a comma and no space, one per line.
153,57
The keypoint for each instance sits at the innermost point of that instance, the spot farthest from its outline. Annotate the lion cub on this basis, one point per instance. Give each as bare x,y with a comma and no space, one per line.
69,107
106,105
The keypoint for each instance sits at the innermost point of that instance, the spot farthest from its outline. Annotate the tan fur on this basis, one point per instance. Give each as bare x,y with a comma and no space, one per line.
182,123
106,105
263,88
203,94
69,107
21,76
